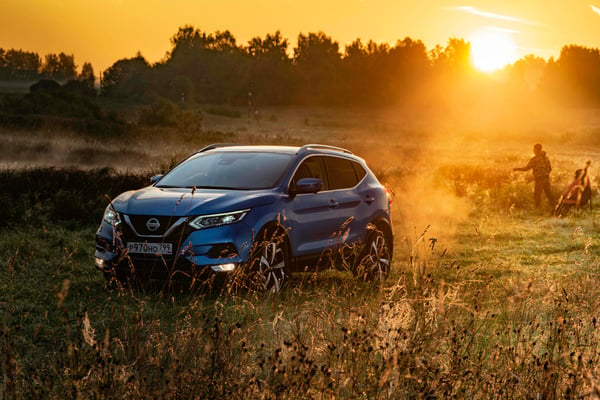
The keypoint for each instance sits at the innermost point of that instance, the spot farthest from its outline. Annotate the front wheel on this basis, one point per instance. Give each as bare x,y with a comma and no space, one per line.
374,265
270,261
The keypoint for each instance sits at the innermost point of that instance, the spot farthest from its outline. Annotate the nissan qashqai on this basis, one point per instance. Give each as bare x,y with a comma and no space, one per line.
251,213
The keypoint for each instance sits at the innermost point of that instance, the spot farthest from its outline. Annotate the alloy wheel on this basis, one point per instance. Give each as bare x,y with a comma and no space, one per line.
377,260
272,265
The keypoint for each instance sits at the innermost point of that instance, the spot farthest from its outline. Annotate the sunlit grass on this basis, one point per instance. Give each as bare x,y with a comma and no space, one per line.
488,297
477,309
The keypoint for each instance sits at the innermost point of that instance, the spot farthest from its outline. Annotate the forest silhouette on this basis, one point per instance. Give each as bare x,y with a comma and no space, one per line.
213,68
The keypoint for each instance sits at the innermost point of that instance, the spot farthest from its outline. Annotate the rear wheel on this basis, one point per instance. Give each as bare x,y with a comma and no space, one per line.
376,260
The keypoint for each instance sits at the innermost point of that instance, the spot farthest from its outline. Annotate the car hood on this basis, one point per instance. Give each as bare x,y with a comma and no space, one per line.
185,202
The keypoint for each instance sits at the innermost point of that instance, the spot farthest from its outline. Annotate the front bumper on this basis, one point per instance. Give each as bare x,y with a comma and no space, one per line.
196,254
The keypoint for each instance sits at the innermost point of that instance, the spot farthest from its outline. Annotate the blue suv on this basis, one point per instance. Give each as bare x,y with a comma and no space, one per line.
252,215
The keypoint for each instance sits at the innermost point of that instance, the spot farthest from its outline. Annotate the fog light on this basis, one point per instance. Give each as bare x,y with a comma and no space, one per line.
100,263
223,267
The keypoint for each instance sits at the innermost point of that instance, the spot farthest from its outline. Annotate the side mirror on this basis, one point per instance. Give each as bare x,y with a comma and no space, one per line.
308,185
156,178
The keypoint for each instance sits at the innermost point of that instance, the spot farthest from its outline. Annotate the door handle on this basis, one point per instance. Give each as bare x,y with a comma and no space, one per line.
333,204
369,199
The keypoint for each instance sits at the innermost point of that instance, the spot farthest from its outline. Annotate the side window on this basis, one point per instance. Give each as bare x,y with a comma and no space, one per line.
341,173
360,171
312,167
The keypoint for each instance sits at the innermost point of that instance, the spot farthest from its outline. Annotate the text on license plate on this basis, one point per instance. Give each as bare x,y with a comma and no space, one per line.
150,248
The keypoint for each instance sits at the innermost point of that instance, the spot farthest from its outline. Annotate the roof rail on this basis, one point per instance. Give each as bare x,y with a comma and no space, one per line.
306,147
216,146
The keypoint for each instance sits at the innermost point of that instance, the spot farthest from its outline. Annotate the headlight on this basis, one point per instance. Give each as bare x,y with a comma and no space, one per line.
209,221
111,216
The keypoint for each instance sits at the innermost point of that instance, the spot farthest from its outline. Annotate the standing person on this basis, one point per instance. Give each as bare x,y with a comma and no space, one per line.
540,166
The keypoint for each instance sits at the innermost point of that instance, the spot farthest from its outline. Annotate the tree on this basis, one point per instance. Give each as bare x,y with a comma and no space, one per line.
188,37
364,75
127,78
408,70
68,69
4,73
316,62
60,67
273,46
579,71
573,78
454,58
224,42
270,76
214,63
181,89
51,66
87,74
22,64
453,82
527,72
316,49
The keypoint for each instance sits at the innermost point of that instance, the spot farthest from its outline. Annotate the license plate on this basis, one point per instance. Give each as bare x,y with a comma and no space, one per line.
150,248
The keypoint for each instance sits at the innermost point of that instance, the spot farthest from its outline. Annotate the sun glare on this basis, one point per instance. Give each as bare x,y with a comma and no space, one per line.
492,50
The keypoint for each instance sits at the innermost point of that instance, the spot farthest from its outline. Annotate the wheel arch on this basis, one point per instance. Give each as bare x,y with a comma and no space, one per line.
275,226
383,225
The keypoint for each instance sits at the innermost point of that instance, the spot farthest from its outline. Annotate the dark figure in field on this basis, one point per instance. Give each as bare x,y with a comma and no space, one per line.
540,165
578,193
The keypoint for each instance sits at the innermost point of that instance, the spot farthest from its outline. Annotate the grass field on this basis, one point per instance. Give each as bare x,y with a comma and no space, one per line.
488,297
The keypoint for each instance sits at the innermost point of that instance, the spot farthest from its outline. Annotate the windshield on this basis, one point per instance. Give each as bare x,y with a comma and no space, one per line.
228,170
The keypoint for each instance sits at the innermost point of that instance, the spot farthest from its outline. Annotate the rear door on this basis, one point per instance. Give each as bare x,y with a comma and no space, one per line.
345,201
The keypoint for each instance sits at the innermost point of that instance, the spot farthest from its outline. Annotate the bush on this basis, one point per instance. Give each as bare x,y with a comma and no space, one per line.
41,195
48,105
163,112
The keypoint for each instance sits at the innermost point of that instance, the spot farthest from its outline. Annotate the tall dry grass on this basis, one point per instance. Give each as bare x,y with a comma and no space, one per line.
488,298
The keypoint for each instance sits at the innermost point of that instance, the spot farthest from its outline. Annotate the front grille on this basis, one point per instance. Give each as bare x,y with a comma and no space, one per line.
172,230
152,226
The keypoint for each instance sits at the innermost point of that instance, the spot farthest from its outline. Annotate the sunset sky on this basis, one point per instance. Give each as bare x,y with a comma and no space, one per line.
104,31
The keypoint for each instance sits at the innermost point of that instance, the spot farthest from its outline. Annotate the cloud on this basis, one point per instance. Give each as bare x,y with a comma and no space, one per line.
595,9
486,14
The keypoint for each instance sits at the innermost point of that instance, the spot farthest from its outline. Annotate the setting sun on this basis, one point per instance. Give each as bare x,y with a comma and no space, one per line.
492,50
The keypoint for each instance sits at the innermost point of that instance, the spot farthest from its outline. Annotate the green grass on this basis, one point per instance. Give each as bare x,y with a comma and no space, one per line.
488,298
507,312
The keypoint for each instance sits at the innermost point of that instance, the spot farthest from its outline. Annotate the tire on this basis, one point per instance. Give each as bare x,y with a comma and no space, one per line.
270,261
376,258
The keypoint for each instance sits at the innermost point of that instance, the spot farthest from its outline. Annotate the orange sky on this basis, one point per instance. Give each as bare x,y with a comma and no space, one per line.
104,31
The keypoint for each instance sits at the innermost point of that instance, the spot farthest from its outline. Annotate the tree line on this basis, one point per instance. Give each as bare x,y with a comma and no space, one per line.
213,68
26,65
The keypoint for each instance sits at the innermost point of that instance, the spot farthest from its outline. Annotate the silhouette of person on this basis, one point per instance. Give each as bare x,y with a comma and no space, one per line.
541,168
578,192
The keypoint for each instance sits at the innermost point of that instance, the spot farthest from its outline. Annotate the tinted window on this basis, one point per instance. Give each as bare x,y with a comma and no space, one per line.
360,171
341,173
312,167
228,170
